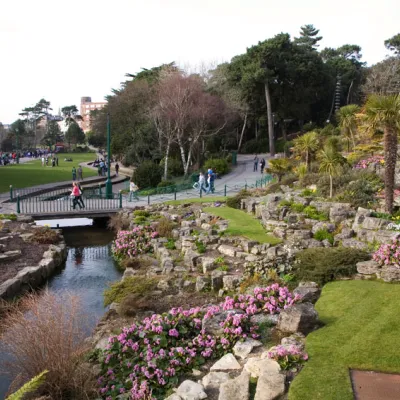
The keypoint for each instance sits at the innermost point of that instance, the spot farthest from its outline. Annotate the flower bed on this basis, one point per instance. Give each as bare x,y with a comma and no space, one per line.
288,357
388,253
145,359
129,244
365,163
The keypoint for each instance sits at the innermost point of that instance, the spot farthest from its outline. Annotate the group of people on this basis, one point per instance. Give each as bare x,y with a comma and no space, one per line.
9,158
258,162
206,184
76,195
77,173
46,159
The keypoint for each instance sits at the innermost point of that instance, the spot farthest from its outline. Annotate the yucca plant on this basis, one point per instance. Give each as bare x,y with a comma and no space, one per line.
306,146
279,167
347,118
330,163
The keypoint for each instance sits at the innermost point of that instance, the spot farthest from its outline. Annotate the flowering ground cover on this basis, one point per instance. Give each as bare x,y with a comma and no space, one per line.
365,163
144,361
361,331
388,253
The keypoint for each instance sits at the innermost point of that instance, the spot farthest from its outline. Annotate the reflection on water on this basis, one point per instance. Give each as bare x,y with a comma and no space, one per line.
88,271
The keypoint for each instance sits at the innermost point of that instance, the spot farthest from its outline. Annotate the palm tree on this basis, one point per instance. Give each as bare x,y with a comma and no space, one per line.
306,145
330,163
279,167
347,117
383,112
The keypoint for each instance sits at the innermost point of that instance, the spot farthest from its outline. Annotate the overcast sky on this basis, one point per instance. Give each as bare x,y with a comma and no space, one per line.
64,50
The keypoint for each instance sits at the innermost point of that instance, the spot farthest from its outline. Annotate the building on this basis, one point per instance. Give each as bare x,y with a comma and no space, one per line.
88,105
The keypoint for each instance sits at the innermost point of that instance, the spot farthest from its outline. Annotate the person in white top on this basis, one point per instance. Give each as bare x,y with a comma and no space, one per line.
43,161
133,188
202,183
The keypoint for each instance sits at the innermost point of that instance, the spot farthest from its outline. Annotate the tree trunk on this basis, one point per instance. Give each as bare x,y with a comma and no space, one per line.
166,160
390,142
307,160
186,166
242,133
270,121
284,136
182,150
256,129
331,186
349,92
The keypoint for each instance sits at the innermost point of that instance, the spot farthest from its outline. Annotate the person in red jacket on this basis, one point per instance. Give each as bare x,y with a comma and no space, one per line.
76,195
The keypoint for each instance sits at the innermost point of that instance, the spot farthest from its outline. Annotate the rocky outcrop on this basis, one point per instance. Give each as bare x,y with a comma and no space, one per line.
298,318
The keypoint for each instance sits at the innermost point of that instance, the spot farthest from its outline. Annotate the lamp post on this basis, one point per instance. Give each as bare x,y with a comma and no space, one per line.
108,181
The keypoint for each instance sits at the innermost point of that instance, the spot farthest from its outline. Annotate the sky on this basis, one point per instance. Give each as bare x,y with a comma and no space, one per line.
62,51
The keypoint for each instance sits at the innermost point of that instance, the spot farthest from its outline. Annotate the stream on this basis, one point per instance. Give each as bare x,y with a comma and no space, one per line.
88,270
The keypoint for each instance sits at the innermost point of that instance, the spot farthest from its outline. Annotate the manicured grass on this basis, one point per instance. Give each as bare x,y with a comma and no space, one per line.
362,332
242,224
32,173
204,199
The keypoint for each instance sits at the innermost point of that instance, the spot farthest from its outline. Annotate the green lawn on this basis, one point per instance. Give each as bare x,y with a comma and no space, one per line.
32,173
362,331
196,200
242,224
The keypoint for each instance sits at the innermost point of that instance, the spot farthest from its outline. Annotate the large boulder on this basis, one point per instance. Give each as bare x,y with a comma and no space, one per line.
189,390
298,318
270,387
235,389
226,250
212,326
340,211
308,291
389,273
259,366
215,379
203,283
227,363
368,267
231,282
375,223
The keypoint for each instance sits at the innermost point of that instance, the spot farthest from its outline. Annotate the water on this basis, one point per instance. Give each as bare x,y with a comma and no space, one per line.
88,270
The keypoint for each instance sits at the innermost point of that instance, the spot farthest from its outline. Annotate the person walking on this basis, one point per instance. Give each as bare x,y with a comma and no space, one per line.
255,167
43,161
99,170
80,198
73,174
262,165
133,188
75,194
53,162
80,173
210,181
57,161
202,183
116,169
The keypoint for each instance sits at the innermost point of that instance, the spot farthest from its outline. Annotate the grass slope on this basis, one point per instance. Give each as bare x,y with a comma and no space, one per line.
204,199
32,173
362,332
242,224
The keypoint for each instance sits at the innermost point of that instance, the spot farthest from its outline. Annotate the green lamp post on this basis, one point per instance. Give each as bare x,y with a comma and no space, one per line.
108,181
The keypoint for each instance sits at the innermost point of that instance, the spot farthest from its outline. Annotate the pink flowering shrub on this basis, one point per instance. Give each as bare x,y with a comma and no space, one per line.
363,164
388,253
144,361
129,244
287,357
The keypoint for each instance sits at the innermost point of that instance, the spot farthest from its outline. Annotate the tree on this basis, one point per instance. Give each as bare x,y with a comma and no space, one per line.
308,37
71,115
75,134
306,145
383,112
383,77
53,134
279,167
330,162
393,44
347,118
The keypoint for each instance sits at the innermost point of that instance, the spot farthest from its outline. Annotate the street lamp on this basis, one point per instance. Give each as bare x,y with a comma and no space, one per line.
108,181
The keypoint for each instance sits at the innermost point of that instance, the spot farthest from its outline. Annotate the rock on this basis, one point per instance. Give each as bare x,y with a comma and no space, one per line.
259,366
229,251
207,263
191,257
230,282
258,319
368,267
375,223
340,211
214,379
323,225
346,233
302,234
326,243
298,318
203,283
212,325
270,387
235,389
189,390
196,372
361,214
217,280
247,245
296,339
308,293
173,397
227,363
355,244
389,273
243,349
10,255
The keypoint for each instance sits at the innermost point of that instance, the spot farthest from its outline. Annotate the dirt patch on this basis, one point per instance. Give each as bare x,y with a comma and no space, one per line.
31,253
370,385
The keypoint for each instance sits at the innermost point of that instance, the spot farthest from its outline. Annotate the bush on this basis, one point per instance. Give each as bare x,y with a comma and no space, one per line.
312,213
133,242
170,245
166,184
11,217
219,165
118,222
141,213
45,235
323,265
200,246
140,220
255,146
323,234
174,168
51,337
288,358
147,174
235,201
165,227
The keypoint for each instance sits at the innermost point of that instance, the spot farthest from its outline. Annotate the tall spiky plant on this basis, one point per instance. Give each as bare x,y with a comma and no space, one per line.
29,387
347,118
330,163
306,146
383,112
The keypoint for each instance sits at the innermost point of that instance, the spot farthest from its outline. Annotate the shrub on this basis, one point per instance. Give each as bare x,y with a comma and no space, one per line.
175,167
360,193
141,213
45,235
148,358
201,247
388,253
297,207
139,285
147,174
11,217
165,227
118,222
130,243
170,245
312,213
288,358
219,165
255,146
166,184
235,201
323,234
323,265
53,338
279,167
139,220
